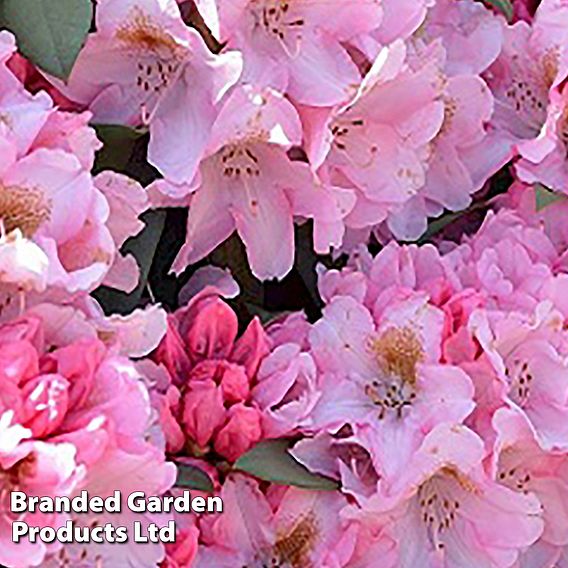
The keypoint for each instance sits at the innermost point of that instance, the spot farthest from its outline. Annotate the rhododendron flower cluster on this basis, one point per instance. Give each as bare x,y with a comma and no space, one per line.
307,256
75,415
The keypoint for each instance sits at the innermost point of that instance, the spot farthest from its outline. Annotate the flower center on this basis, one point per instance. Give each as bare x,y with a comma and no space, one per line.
157,53
527,91
277,20
140,32
292,549
23,208
341,130
437,512
440,503
398,352
239,161
515,478
521,379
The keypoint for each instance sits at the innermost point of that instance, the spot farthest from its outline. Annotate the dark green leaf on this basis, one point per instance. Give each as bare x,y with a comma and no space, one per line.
232,254
307,260
119,142
271,461
50,32
545,197
192,477
143,247
266,317
503,6
437,226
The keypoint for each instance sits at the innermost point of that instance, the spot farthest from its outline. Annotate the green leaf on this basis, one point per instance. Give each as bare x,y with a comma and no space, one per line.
436,226
192,477
143,248
119,142
266,317
503,6
50,32
271,461
545,197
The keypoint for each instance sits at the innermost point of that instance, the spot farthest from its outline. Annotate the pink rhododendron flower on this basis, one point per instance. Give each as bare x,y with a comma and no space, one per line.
529,357
249,184
527,82
303,527
154,70
449,513
383,375
48,195
463,154
509,261
206,401
520,464
287,388
76,418
37,190
378,143
300,42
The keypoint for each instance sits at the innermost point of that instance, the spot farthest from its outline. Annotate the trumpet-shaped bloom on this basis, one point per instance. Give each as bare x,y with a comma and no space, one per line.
303,528
154,70
527,82
299,42
384,377
449,513
378,143
48,195
520,464
249,184
528,354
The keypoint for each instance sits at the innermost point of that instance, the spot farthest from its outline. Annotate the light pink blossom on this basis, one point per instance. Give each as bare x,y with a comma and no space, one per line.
378,143
304,526
384,376
248,184
448,512
152,69
299,42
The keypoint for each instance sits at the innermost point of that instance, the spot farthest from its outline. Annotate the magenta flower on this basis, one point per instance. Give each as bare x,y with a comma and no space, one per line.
205,400
73,416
